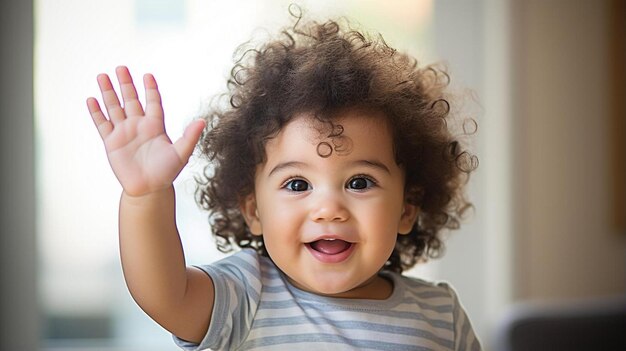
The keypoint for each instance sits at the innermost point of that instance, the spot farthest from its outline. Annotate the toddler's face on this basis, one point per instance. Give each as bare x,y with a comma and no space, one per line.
330,223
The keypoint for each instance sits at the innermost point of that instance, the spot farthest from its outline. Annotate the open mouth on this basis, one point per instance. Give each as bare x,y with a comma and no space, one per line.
330,250
330,246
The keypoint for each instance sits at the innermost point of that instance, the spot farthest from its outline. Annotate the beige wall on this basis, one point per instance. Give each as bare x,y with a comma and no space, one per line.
565,245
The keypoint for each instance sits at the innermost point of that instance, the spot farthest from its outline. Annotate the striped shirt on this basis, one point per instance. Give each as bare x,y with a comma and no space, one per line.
256,308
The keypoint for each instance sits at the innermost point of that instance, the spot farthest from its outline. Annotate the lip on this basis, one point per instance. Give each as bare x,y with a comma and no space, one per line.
331,258
344,236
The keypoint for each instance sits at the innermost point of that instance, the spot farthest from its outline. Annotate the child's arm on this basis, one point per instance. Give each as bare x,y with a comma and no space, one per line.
146,163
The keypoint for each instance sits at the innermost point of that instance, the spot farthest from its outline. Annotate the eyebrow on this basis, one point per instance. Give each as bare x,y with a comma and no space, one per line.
284,165
297,164
372,164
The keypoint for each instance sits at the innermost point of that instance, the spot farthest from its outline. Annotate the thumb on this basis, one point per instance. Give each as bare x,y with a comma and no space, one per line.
185,145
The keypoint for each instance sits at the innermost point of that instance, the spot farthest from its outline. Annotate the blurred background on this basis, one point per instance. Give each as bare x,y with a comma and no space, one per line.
544,79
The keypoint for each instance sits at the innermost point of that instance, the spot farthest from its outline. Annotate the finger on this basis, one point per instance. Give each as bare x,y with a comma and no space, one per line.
153,97
185,145
132,106
111,102
103,125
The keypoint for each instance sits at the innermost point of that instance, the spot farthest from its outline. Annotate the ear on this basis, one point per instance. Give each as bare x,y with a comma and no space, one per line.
251,214
408,217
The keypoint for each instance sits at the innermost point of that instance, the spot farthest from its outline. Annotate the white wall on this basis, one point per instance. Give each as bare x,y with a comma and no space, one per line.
460,42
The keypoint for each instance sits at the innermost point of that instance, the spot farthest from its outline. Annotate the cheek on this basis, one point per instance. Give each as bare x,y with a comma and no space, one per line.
382,210
279,219
383,224
275,206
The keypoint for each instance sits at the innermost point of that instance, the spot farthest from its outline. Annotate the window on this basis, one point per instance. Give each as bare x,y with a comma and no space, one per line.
188,46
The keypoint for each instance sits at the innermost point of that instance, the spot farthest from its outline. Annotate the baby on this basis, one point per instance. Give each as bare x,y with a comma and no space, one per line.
332,170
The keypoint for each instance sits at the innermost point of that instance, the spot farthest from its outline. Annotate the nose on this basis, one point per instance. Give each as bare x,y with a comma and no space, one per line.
329,207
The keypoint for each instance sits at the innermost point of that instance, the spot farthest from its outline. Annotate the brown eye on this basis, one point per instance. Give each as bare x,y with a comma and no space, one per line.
297,185
360,183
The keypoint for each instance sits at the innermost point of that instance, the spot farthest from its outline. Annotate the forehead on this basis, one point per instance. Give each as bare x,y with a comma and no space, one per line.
353,133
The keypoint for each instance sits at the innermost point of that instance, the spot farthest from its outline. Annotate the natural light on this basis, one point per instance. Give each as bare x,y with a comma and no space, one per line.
188,46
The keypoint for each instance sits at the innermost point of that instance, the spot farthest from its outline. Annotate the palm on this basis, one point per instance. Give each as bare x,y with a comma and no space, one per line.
141,154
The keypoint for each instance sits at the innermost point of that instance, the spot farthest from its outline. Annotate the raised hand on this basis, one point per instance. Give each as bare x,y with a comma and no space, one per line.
142,156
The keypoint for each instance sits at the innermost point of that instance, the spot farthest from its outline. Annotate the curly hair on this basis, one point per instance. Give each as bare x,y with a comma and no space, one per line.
322,68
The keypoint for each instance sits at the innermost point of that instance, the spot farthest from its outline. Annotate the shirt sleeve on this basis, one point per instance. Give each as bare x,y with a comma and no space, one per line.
237,282
464,337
